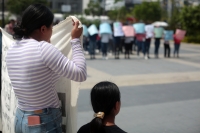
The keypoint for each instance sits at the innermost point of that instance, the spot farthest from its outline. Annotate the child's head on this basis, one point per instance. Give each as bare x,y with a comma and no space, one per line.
105,99
35,17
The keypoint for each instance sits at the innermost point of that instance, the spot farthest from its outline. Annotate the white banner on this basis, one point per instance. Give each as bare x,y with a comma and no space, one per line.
67,90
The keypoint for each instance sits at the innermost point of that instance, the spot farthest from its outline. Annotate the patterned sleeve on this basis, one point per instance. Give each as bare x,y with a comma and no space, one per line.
74,69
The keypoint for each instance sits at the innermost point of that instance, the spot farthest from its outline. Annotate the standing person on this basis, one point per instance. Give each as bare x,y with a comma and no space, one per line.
158,32
105,99
128,42
9,27
34,67
98,42
85,40
105,38
134,44
139,41
166,49
118,34
117,45
177,44
149,34
92,45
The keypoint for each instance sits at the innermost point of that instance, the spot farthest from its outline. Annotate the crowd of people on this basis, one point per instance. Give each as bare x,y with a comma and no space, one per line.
140,42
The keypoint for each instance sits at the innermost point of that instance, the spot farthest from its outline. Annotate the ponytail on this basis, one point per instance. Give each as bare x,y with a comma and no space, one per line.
96,125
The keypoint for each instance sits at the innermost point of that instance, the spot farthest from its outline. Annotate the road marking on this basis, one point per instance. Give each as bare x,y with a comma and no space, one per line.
143,79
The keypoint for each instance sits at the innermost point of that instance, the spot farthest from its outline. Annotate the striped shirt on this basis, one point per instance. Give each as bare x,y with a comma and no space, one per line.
35,67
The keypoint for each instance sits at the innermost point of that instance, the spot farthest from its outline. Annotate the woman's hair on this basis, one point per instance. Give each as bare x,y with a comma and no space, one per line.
104,96
33,18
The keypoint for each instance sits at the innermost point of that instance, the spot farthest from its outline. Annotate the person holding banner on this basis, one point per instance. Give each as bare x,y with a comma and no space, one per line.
105,38
168,35
140,36
34,66
139,41
118,34
128,42
178,37
106,35
158,33
177,43
93,33
105,99
149,34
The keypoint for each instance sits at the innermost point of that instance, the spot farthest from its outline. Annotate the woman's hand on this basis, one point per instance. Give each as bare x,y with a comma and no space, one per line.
76,32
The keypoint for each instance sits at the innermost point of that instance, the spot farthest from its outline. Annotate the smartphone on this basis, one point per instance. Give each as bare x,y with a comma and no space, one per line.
33,120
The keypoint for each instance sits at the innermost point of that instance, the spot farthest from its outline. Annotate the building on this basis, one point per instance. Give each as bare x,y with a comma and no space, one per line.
75,5
85,3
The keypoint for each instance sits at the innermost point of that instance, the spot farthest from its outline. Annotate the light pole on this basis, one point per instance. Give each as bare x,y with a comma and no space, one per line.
2,24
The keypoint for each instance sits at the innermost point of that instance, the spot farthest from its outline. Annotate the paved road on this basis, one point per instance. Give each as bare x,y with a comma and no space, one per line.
158,95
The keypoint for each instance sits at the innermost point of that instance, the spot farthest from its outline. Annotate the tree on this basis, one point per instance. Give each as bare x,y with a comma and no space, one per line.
190,19
148,11
119,14
18,6
94,9
174,21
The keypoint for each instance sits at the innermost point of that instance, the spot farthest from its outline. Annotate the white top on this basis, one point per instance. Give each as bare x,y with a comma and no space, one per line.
105,38
149,29
128,39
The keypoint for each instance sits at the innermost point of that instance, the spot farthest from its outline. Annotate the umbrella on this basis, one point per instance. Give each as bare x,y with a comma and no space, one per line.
160,23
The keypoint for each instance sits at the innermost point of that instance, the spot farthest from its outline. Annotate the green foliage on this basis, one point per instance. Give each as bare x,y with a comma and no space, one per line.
174,20
18,6
89,22
119,14
148,11
192,38
190,19
117,1
94,9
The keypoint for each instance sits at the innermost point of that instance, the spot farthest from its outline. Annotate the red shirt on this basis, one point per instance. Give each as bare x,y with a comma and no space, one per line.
140,37
176,41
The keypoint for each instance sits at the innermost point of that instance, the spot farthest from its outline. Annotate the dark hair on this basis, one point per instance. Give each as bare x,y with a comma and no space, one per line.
11,21
33,18
104,96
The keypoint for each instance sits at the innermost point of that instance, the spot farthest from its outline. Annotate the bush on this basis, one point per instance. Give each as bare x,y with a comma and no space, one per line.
192,39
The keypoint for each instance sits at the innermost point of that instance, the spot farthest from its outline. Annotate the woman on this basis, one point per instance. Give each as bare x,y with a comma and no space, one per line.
34,66
177,43
105,99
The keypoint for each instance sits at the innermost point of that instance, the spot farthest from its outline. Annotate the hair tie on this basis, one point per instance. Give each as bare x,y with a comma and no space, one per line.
99,115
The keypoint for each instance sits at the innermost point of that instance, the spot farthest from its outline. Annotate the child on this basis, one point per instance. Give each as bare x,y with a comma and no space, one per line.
105,100
177,43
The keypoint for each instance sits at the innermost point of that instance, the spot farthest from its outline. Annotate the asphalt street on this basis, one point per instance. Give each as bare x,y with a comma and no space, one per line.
158,95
